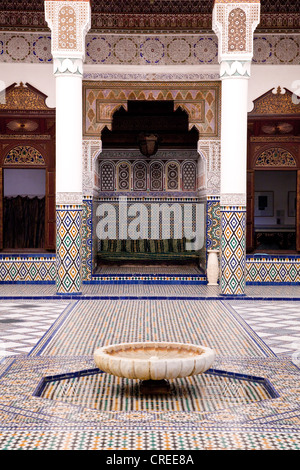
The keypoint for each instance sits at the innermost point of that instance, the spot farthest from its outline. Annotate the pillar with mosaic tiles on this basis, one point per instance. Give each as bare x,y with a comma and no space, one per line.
234,22
69,22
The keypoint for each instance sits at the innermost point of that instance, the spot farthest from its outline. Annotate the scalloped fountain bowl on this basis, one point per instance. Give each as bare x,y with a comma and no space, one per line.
154,360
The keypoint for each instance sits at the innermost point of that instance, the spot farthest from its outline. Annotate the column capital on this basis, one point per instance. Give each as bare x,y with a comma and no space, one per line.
235,69
69,21
234,22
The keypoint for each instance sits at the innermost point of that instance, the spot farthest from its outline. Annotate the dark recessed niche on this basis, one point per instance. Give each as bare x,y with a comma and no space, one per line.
157,117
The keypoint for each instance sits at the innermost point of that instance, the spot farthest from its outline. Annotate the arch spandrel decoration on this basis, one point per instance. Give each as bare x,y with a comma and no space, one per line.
275,157
201,101
24,155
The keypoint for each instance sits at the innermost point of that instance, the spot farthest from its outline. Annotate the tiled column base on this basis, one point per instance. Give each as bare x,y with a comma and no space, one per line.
68,248
233,250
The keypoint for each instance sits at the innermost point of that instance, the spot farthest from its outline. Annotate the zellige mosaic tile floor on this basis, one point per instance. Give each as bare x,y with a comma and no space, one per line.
252,338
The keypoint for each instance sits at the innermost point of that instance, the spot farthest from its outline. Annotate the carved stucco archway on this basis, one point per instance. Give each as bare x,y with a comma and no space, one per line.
200,100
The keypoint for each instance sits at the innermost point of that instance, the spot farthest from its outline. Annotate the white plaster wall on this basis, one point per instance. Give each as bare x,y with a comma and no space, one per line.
263,77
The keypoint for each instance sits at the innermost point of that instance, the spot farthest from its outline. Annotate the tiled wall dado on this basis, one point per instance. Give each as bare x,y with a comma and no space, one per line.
260,269
40,268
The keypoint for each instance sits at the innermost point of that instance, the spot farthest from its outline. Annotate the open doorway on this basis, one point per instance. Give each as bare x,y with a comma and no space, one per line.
148,169
24,193
275,211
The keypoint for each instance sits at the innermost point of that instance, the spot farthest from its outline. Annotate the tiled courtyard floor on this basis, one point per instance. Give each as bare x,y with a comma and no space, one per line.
249,400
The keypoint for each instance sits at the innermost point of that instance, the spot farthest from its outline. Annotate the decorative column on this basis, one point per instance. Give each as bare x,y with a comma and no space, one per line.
234,23
69,22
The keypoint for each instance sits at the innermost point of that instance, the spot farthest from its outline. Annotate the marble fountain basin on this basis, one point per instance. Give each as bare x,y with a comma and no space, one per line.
154,360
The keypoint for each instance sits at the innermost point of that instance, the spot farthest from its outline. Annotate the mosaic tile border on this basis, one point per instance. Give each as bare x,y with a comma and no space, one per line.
28,268
146,444
271,269
140,49
41,269
258,272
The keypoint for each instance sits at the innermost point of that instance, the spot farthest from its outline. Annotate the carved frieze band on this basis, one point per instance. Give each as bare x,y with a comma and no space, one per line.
68,198
160,49
234,199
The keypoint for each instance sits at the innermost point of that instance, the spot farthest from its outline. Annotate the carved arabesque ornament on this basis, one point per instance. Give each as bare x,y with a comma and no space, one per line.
22,97
277,103
275,157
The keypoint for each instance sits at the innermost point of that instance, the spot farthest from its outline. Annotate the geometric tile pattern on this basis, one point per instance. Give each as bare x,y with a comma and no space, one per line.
110,394
23,323
233,255
197,291
30,421
41,268
273,269
276,323
68,248
94,323
27,268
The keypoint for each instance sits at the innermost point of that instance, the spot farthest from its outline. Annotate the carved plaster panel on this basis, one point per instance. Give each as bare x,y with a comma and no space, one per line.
210,151
90,152
69,22
234,199
68,198
235,40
